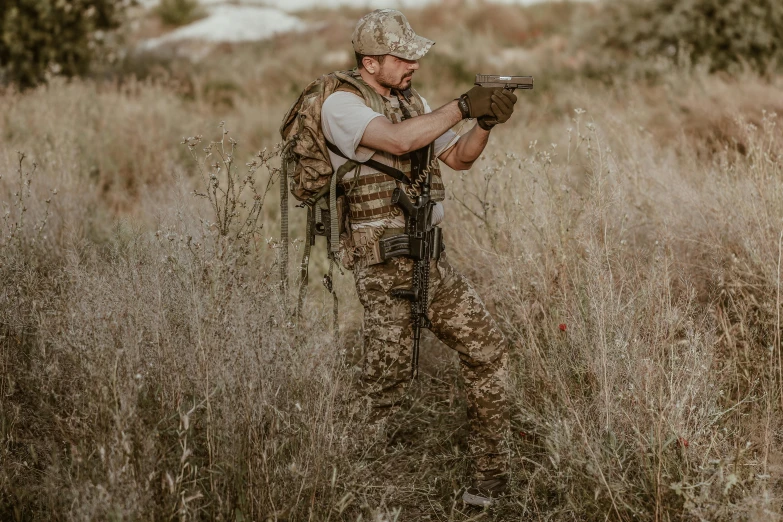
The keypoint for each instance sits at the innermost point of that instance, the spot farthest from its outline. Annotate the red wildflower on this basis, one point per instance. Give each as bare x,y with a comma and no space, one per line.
562,327
682,441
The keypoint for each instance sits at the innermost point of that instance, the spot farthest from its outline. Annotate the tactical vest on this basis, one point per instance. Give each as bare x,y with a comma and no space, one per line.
369,195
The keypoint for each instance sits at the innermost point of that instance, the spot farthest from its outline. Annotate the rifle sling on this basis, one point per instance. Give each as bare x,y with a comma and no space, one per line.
380,167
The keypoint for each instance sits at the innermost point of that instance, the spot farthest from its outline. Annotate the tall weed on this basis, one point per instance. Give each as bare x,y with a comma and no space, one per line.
150,368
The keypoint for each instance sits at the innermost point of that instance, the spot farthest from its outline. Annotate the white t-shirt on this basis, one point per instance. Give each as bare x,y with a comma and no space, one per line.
344,118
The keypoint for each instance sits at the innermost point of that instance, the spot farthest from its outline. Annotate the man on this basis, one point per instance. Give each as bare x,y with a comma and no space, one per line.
387,52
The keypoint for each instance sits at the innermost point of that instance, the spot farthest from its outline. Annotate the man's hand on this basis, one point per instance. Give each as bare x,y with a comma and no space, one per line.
502,105
477,102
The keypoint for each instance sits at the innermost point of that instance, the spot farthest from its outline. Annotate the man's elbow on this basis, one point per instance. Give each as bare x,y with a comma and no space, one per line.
394,145
455,164
400,144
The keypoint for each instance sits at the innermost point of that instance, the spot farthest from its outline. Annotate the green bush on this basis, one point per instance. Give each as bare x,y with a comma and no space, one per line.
43,37
179,12
721,34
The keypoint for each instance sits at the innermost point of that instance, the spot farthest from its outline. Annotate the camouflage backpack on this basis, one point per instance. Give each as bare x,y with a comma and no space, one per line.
305,162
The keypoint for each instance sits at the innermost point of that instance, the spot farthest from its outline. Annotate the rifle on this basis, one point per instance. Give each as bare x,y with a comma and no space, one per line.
420,242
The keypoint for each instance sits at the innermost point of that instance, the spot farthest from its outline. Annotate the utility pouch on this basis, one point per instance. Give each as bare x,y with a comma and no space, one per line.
394,246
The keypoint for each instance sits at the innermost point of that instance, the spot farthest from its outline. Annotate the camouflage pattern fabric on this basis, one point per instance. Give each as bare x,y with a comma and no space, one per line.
461,321
387,31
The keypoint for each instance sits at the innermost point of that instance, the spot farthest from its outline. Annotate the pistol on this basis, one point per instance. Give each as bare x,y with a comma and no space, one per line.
505,82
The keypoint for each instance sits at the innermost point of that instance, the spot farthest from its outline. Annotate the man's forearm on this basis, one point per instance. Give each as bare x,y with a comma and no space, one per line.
411,134
469,148
432,126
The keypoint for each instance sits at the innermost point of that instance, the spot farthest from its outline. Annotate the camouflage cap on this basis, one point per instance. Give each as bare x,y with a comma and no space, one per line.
387,31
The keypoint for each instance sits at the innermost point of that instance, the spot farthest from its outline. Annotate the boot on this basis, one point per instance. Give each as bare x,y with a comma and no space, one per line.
484,493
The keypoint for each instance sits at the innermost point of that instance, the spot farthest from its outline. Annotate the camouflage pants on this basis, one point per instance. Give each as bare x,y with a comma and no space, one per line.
459,319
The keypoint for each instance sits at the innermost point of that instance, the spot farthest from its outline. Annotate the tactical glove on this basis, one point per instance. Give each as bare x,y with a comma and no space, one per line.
477,102
502,107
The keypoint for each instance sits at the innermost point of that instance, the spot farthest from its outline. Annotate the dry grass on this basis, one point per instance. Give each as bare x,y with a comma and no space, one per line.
149,368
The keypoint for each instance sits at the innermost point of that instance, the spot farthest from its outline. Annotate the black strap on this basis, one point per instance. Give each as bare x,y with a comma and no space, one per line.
420,157
380,167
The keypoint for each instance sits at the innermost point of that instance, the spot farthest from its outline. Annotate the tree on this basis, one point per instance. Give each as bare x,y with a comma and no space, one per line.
43,37
723,34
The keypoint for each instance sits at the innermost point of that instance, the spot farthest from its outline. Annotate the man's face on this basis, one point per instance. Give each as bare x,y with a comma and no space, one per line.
395,73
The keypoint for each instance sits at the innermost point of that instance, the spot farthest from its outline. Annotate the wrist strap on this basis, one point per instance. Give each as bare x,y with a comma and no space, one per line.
464,106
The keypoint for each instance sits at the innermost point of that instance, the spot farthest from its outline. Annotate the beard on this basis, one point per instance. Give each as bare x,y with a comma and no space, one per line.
394,83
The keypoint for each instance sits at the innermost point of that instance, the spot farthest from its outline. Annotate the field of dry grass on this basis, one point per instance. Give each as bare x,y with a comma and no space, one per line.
628,237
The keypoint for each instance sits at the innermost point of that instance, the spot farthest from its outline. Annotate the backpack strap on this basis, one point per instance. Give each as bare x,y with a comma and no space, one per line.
338,175
371,97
